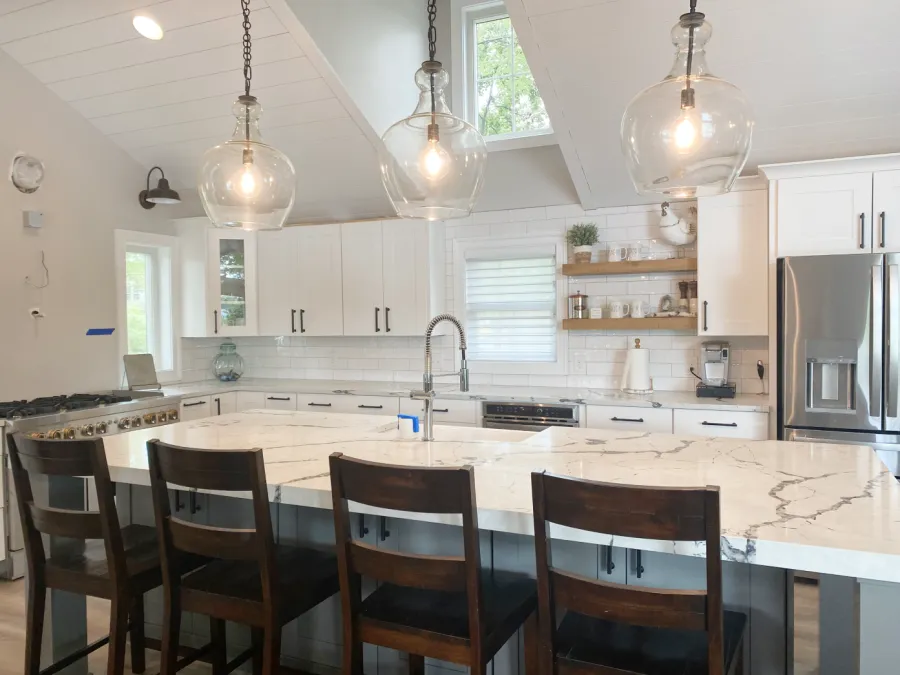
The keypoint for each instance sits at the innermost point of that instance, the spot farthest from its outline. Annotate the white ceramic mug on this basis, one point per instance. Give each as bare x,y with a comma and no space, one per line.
634,251
619,309
639,309
616,253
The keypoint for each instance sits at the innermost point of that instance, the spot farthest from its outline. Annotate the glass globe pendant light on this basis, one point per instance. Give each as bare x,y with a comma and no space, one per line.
432,163
245,183
690,134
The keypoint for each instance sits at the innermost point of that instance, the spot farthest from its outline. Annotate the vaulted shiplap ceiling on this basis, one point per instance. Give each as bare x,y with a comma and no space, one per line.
166,102
822,75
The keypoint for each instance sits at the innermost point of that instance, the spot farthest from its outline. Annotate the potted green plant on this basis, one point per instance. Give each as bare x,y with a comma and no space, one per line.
582,237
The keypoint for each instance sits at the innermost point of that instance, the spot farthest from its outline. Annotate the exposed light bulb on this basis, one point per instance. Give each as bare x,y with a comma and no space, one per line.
685,133
248,180
434,161
147,27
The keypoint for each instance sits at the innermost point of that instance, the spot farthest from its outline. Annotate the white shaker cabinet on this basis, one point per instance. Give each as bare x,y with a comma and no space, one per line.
732,264
195,408
223,404
218,280
819,215
300,290
393,276
886,212
249,400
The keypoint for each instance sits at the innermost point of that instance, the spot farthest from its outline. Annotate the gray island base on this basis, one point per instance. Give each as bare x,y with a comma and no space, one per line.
827,509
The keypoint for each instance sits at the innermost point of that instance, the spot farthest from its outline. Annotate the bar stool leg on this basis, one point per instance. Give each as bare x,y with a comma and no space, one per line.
256,639
416,664
138,644
219,657
271,657
118,631
532,659
34,631
170,635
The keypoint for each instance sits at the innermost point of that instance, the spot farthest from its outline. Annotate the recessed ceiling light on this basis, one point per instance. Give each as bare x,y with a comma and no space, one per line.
147,27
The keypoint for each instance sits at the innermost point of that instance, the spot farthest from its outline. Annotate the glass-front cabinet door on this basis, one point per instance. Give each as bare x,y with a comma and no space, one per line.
233,282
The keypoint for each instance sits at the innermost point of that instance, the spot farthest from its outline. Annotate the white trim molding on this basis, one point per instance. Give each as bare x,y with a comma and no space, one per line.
831,167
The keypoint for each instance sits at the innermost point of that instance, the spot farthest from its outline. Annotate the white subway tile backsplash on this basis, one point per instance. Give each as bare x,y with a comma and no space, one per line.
488,217
565,211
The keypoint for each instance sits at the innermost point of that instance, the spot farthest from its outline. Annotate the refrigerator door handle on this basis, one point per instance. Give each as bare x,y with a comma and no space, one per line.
876,334
892,340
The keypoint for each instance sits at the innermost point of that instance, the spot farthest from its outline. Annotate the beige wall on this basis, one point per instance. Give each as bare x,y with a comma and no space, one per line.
89,190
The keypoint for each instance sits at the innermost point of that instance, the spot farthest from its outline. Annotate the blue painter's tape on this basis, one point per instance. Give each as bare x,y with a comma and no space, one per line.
100,331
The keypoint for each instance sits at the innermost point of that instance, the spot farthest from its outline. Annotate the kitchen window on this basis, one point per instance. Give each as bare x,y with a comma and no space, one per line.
145,269
511,305
498,93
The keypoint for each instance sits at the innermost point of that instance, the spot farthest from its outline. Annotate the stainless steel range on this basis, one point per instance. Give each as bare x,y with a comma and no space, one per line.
69,417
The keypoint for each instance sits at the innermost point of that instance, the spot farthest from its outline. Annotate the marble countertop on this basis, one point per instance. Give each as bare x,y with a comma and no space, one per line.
660,399
805,506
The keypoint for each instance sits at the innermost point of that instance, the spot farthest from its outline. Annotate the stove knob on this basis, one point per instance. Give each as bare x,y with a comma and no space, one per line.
150,418
135,421
55,434
172,415
124,423
37,434
101,427
68,433
87,430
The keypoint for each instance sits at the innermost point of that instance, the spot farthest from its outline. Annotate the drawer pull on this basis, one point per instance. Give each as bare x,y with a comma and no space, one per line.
440,410
719,424
371,407
319,405
279,398
191,405
639,420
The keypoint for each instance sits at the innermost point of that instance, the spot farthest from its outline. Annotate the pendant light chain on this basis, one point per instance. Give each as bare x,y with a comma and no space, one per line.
692,17
432,47
248,69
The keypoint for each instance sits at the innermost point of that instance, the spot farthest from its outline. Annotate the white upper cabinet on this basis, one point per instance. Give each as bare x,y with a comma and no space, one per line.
300,290
824,214
835,206
218,278
732,263
361,250
393,275
886,212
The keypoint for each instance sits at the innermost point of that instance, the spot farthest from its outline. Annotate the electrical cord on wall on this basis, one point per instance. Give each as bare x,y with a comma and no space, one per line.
694,373
46,275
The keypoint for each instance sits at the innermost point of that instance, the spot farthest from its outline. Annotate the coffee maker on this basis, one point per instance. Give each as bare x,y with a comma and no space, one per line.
714,361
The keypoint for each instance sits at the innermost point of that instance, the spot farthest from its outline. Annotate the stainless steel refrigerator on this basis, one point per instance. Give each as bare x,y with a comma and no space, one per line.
839,351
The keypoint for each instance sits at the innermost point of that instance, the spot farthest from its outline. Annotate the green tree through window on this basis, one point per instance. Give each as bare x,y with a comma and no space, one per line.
508,101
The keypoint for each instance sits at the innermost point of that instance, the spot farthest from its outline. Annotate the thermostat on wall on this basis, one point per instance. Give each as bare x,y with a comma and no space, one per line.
32,219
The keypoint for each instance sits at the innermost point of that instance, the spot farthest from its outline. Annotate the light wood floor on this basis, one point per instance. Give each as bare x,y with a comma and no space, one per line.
12,632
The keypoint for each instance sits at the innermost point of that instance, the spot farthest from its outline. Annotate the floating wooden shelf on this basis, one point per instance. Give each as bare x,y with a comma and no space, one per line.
653,323
630,267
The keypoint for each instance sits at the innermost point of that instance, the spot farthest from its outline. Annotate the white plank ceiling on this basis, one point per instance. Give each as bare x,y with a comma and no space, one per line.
821,75
165,102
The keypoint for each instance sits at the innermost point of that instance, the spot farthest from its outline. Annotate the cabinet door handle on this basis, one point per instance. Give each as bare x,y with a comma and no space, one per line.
216,321
302,327
383,532
279,398
194,506
319,405
363,530
881,218
862,230
719,424
610,565
178,503
387,319
705,315
218,406
377,329
191,405
638,566
293,323
440,410
639,420
371,407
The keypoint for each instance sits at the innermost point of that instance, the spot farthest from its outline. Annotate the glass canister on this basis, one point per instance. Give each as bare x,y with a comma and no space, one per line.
228,364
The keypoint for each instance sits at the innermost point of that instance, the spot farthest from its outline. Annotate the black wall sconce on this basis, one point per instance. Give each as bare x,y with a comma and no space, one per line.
161,194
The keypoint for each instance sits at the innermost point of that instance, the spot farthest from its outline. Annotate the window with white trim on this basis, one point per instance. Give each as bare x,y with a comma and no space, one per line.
511,296
502,99
145,269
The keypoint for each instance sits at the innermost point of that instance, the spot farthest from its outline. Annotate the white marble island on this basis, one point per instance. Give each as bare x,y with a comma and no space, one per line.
785,506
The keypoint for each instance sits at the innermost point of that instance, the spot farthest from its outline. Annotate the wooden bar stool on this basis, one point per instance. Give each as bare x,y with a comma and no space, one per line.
443,607
103,560
612,628
251,580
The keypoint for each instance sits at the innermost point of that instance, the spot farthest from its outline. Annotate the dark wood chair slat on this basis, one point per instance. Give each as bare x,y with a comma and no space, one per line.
437,573
66,523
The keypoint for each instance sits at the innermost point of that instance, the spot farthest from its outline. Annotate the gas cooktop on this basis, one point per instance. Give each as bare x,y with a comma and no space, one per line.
49,405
